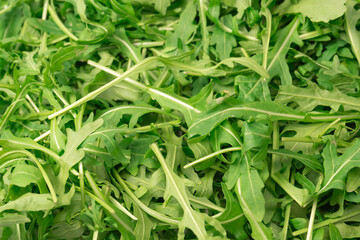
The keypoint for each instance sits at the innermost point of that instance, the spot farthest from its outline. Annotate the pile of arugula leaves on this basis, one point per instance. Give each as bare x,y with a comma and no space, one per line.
189,119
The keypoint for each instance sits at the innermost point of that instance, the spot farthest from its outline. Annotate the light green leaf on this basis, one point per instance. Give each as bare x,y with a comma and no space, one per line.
251,186
162,5
334,232
347,231
277,65
352,182
224,42
231,108
25,174
352,17
336,168
29,202
57,138
12,219
317,11
301,196
143,224
312,96
175,186
240,5
259,230
72,155
233,218
307,160
63,55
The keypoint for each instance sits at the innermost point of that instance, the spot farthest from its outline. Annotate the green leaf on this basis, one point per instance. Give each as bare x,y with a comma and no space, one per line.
251,185
352,17
224,42
256,135
63,55
12,219
233,218
312,96
64,230
277,65
336,168
57,138
334,232
29,202
11,141
72,155
175,186
143,225
307,160
259,230
317,11
231,108
25,174
184,28
224,134
346,231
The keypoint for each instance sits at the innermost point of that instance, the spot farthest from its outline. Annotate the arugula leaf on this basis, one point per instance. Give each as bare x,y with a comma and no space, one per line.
142,119
224,42
317,11
29,202
336,168
259,230
312,96
352,18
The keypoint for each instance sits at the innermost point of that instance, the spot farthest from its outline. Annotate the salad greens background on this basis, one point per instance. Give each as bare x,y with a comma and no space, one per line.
161,119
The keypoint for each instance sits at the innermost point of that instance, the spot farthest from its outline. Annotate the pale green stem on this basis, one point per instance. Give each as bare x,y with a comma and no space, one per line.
59,23
42,136
122,208
43,173
313,211
312,218
44,13
5,9
145,208
149,44
329,126
18,231
95,235
96,92
231,149
82,184
287,212
204,31
314,34
326,222
32,103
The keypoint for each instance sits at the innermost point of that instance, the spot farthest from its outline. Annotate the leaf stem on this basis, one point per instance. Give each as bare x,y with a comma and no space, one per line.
59,23
327,222
314,34
312,218
45,10
43,173
82,184
313,210
204,32
96,92
145,208
231,149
